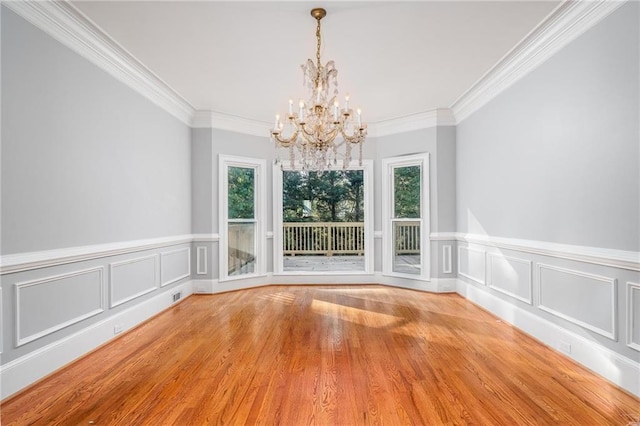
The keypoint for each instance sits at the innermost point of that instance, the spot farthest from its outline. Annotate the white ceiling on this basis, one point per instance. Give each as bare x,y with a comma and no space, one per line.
243,58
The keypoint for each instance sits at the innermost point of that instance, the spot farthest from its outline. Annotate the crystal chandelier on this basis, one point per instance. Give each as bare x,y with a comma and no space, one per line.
307,139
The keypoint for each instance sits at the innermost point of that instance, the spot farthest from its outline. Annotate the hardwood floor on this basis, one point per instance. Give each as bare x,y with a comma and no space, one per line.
344,355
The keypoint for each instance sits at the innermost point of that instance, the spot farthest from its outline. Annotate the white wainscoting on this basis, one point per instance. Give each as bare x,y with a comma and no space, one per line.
175,265
201,260
472,264
510,276
23,371
616,368
46,305
132,278
446,260
633,315
587,300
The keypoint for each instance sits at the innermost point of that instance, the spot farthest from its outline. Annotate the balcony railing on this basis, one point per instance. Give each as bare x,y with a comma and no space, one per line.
323,238
406,234
342,238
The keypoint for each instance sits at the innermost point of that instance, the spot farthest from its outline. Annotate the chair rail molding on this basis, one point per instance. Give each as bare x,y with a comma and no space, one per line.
623,259
42,259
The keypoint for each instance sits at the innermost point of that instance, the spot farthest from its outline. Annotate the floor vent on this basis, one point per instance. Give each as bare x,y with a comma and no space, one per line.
177,296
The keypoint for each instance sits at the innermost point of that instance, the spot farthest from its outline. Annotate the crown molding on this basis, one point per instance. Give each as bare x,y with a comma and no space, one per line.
62,21
218,120
564,24
422,120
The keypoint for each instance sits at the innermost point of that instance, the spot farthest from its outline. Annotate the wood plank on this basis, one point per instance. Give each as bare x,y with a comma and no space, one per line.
323,355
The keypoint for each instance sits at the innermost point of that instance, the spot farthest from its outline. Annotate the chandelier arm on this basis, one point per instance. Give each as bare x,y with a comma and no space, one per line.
286,142
357,136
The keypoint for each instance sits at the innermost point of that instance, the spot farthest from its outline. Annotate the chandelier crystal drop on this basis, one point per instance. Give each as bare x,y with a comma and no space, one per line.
307,138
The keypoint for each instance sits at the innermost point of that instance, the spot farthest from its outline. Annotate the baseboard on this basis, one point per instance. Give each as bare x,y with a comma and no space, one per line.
28,369
436,285
619,370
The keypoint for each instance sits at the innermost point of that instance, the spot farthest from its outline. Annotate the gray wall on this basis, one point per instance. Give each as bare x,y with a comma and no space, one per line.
85,159
440,143
202,181
555,157
206,146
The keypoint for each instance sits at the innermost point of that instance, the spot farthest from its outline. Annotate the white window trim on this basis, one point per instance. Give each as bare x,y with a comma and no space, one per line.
388,164
259,167
278,258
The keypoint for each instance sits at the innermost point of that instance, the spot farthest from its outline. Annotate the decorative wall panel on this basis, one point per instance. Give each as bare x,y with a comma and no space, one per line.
471,264
584,299
132,278
49,304
175,265
510,275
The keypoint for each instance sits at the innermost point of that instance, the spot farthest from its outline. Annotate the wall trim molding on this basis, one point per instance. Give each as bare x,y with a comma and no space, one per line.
564,24
480,280
221,121
622,259
490,283
620,370
611,334
68,25
206,238
114,265
447,263
202,261
629,260
163,256
42,259
443,236
631,310
422,120
28,369
20,339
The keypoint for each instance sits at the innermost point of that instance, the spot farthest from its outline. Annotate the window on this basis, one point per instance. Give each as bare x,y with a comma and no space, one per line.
242,205
322,221
405,216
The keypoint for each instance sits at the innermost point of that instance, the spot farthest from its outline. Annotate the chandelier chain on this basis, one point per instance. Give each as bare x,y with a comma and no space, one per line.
318,43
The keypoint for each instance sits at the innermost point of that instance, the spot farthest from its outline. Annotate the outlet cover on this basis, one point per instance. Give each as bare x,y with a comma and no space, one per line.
117,328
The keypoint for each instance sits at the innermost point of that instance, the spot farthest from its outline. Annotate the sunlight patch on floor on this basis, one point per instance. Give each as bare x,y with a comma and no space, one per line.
354,315
281,297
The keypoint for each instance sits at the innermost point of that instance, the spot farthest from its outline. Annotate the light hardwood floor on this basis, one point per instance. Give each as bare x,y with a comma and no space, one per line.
343,355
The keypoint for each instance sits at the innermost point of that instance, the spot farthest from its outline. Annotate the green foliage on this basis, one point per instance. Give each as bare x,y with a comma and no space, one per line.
335,196
406,190
241,193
